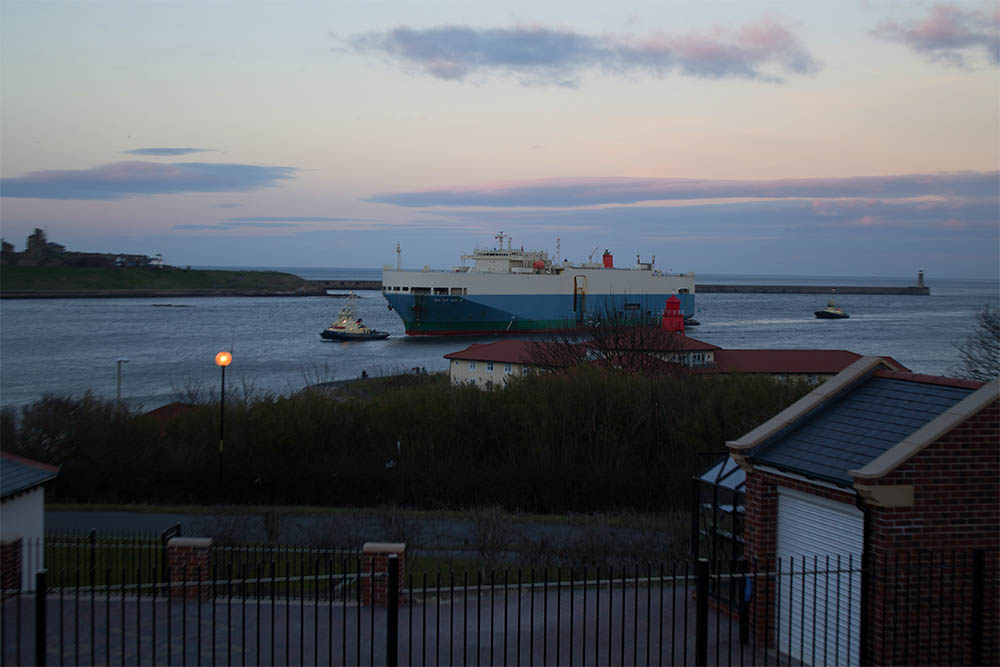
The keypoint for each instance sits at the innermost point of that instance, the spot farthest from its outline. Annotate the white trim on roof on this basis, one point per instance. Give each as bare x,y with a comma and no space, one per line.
829,389
929,433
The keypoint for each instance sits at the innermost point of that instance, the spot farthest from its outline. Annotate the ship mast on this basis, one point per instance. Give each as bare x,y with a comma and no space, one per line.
399,258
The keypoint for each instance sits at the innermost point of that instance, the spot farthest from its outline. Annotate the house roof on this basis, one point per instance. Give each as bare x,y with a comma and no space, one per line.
523,351
509,350
852,420
18,474
165,413
652,340
813,362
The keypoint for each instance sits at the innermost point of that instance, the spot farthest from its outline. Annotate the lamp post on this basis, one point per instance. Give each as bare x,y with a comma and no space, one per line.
222,359
118,394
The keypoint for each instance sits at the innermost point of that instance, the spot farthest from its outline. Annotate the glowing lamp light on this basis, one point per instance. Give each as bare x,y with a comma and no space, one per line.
223,359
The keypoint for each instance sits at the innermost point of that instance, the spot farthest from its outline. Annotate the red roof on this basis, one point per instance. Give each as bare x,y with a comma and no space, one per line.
509,350
521,351
165,413
825,362
929,379
655,340
31,463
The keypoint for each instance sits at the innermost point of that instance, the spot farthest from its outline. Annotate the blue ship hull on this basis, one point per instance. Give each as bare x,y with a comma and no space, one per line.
439,315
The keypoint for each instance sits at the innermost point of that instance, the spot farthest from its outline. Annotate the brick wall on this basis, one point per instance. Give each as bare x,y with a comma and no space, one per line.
10,563
189,560
375,561
923,551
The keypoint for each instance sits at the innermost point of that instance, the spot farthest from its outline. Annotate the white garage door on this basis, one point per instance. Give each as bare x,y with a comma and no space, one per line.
819,542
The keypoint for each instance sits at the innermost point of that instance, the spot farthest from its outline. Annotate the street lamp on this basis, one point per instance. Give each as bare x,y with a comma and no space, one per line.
222,359
118,400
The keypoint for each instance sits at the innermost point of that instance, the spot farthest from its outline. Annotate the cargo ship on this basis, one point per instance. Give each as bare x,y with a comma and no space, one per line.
508,290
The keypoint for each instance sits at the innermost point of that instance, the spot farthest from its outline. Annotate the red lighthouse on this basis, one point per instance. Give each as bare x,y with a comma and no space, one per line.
673,320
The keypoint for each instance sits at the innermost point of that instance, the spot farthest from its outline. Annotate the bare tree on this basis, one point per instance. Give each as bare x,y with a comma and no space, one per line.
980,354
617,339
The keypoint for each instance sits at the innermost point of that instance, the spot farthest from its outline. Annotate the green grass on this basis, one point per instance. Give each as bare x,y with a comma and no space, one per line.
88,278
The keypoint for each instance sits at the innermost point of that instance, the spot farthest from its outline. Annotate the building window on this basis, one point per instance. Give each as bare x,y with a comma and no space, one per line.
489,365
507,369
472,365
524,370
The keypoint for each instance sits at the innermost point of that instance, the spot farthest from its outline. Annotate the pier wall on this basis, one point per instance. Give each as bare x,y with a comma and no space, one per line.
703,289
810,289
320,287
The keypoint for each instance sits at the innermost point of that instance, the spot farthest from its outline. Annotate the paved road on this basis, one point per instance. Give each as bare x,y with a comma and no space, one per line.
635,625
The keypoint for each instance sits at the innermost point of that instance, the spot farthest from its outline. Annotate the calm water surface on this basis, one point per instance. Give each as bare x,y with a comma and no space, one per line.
69,346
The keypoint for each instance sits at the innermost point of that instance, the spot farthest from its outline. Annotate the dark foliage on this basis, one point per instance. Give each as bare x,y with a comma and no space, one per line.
591,439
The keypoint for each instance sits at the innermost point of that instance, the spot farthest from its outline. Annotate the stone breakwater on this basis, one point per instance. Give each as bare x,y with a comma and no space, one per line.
704,289
320,287
810,289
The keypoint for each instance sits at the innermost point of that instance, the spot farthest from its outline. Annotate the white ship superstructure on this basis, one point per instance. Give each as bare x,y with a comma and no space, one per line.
513,290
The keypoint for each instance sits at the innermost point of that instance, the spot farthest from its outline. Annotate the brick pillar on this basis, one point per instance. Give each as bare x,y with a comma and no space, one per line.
186,557
10,563
376,555
760,535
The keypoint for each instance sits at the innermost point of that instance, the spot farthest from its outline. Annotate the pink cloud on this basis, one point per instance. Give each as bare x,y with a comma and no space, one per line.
949,34
549,56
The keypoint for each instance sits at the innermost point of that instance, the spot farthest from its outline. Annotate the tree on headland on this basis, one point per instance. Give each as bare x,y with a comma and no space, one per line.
980,354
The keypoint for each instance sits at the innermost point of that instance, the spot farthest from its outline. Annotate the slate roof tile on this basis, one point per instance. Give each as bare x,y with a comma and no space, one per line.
860,425
20,474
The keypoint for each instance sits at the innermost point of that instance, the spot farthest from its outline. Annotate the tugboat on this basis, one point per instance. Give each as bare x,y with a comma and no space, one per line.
832,312
348,326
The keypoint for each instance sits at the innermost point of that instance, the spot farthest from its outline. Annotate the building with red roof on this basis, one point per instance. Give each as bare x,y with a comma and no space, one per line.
492,364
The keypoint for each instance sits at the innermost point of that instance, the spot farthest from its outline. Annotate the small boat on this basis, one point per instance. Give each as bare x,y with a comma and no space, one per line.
832,312
349,295
348,326
691,322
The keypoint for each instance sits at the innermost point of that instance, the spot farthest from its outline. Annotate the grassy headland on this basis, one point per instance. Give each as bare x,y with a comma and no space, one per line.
15,279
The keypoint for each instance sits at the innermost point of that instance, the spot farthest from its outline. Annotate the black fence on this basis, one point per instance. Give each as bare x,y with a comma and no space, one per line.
932,609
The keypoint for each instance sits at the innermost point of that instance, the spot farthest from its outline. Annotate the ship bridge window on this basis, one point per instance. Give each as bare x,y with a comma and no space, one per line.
406,289
421,290
683,290
459,291
396,288
440,290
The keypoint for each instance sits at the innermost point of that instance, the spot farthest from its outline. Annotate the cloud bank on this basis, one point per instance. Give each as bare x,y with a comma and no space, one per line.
127,179
272,222
168,152
547,56
576,192
949,34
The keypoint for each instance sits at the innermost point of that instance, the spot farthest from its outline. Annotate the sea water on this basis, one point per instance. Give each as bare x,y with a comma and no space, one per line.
70,346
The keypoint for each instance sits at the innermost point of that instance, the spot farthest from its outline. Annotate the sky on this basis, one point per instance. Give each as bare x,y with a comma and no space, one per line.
821,138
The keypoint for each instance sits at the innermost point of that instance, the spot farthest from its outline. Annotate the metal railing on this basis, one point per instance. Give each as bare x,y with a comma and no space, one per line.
931,608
